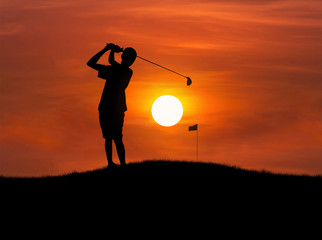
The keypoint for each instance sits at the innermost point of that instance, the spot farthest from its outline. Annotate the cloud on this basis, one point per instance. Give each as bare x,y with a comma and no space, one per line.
278,12
10,29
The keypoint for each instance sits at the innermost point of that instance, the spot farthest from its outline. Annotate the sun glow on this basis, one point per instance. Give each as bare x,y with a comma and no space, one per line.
167,110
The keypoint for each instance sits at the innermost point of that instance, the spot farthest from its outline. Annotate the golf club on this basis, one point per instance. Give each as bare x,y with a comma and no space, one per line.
188,78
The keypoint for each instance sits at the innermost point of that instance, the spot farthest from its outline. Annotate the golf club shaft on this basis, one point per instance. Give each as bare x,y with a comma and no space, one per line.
161,66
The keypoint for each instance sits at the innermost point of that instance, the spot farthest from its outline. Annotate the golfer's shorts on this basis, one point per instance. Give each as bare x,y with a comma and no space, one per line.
111,124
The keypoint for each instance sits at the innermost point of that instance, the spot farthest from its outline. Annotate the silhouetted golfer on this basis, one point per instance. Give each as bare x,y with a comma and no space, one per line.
113,104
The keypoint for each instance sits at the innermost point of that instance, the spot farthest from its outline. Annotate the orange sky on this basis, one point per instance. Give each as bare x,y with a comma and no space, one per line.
256,92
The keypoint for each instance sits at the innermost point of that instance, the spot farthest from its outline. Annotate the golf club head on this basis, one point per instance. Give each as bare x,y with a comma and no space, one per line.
189,81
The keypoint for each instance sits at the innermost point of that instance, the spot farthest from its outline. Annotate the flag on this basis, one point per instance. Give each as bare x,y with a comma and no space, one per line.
193,128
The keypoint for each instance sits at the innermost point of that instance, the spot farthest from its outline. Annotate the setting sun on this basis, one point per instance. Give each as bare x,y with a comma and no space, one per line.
167,110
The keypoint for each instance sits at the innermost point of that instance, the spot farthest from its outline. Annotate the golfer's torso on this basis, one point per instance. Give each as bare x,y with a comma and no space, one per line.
113,96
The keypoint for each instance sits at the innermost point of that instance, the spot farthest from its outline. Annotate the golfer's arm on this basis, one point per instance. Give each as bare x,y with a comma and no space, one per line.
93,61
111,58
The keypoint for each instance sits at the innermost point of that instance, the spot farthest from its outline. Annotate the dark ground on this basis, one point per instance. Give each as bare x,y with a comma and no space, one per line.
166,192
175,178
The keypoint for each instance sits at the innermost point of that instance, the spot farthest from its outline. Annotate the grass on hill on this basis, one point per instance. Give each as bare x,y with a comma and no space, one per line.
171,172
162,188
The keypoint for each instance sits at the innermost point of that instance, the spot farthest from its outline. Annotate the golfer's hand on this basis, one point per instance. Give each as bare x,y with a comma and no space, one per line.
109,46
113,47
116,48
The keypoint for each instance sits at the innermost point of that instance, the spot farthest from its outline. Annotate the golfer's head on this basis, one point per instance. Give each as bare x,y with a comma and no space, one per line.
128,56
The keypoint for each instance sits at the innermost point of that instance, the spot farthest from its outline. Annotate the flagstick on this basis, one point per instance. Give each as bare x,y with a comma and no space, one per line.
195,128
197,143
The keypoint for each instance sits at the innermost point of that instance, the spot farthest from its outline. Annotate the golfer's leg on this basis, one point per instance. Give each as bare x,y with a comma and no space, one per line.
108,150
120,150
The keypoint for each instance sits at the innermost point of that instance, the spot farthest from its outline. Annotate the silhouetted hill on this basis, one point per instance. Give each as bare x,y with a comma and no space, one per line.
169,176
164,192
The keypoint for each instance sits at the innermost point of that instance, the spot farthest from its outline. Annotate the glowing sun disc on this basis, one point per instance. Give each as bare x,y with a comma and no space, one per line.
167,110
